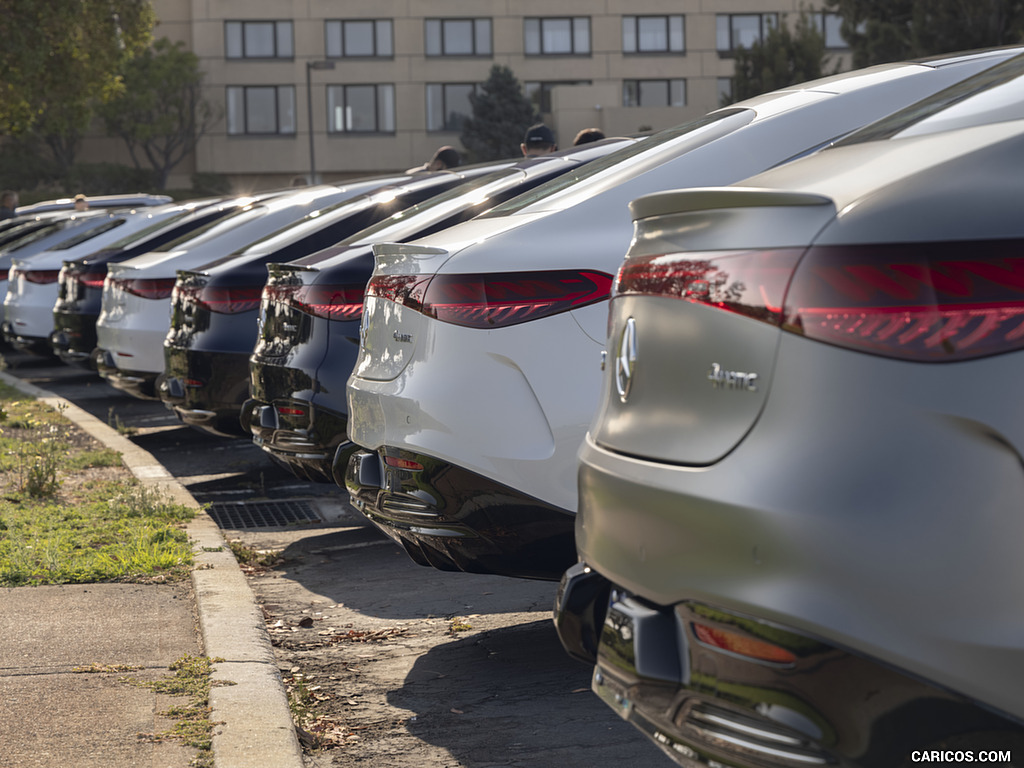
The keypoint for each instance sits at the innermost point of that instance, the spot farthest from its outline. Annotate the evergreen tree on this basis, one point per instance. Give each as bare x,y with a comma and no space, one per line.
784,57
880,31
501,115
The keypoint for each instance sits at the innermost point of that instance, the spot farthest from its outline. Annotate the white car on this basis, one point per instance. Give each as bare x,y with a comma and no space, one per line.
479,367
135,313
26,236
32,280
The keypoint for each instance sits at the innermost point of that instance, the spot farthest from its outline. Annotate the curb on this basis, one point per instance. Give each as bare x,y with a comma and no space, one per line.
254,722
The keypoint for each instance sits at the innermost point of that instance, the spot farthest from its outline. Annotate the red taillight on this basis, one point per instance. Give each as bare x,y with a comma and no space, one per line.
90,279
40,276
751,283
733,642
927,302
289,411
334,302
146,288
408,464
406,290
495,300
230,300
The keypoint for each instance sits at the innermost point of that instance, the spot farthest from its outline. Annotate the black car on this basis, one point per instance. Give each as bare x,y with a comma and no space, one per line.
215,308
312,309
81,281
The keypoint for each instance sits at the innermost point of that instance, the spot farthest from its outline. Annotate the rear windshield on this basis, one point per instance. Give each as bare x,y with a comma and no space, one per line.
454,199
156,226
619,160
993,96
88,234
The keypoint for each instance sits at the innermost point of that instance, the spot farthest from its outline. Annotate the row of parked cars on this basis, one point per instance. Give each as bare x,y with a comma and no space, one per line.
743,387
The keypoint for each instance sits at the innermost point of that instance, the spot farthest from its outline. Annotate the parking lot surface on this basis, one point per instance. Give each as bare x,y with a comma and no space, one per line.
388,663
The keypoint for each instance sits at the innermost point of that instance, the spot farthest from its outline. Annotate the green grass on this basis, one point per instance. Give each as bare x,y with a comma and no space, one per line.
63,519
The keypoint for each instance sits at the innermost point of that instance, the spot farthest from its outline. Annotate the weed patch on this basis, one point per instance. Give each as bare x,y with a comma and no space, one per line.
69,512
193,726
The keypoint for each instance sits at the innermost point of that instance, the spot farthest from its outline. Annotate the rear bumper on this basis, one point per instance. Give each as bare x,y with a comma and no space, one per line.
713,687
297,434
36,345
205,389
74,337
455,520
140,384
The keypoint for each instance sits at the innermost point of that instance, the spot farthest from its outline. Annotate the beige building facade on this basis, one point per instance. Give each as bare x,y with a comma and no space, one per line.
354,87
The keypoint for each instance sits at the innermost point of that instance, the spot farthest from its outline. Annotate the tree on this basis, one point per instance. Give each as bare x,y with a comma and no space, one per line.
501,115
59,57
784,57
160,113
880,31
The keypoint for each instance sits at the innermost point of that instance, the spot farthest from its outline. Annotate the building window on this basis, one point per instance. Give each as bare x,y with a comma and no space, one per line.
258,40
829,24
653,34
539,93
458,37
557,36
654,93
261,109
742,29
448,105
361,108
363,37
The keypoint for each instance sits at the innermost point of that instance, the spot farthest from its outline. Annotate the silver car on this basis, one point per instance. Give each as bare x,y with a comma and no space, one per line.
475,381
802,497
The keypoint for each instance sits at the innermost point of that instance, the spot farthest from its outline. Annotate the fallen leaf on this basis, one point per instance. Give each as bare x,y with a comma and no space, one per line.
456,711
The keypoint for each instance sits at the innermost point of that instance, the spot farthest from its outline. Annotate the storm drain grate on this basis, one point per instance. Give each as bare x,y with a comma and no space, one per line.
235,515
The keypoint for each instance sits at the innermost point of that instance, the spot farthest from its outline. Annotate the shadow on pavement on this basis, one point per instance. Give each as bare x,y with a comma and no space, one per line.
464,692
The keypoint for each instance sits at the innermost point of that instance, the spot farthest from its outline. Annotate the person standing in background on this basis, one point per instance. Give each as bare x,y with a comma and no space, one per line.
538,141
445,158
588,135
8,204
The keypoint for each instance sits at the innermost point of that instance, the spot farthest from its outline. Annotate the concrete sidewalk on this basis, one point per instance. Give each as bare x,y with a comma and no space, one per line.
63,648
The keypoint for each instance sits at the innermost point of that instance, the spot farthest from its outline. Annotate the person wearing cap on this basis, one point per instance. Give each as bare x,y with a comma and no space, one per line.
446,157
539,140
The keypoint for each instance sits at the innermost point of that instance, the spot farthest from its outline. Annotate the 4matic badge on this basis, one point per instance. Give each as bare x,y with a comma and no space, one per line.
719,377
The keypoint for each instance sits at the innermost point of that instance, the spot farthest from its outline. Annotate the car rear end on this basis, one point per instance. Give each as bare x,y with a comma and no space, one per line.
27,307
800,497
79,298
447,514
204,386
130,330
303,316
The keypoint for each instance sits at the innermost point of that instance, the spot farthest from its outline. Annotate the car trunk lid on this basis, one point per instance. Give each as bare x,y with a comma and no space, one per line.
695,320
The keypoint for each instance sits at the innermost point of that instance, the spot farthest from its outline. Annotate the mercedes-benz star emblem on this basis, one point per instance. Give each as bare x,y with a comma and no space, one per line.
625,360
